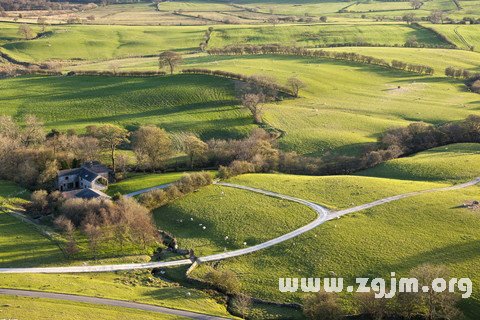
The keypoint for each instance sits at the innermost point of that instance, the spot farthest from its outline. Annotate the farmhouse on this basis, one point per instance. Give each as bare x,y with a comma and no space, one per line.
86,182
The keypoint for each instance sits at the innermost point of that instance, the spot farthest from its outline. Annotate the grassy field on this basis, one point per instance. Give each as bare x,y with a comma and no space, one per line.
334,192
463,36
139,181
230,217
101,42
395,237
439,59
14,307
323,35
458,162
22,245
138,286
346,105
98,42
200,104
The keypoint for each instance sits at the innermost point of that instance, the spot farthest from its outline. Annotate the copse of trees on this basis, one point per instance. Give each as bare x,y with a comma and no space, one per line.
291,50
105,223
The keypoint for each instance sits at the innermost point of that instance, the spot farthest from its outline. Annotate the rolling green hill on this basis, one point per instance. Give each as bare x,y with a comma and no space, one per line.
457,162
201,104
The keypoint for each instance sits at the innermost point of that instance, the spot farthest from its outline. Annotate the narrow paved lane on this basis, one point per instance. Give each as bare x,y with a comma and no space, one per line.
136,193
108,302
323,216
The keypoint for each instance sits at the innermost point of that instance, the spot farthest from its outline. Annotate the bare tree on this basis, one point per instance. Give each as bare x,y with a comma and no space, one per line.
26,32
243,304
438,305
170,59
295,84
436,16
322,305
33,132
195,148
152,147
110,137
252,101
416,4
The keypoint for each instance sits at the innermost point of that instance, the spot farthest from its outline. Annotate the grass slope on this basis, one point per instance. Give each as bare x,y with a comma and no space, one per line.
48,309
230,217
130,286
394,237
463,36
201,104
323,35
458,162
139,181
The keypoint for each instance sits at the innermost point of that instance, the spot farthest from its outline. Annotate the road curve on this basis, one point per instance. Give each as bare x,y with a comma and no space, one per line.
108,302
323,215
138,192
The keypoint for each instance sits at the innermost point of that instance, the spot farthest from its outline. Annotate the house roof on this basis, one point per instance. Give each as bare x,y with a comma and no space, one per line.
85,194
87,174
88,171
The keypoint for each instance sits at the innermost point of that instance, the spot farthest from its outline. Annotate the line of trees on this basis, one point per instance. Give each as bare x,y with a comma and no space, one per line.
258,152
291,50
459,73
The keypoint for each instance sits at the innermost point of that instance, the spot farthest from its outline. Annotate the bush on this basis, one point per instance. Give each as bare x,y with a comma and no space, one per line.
226,280
476,86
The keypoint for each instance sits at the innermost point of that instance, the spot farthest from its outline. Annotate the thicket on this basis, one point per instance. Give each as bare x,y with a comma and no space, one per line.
347,56
120,223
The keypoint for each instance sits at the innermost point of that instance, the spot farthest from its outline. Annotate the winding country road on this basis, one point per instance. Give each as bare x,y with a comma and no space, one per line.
108,302
323,216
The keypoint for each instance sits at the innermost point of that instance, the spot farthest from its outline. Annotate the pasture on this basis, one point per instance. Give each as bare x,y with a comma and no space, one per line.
101,42
139,181
138,286
346,105
457,162
200,104
466,37
395,237
47,309
218,218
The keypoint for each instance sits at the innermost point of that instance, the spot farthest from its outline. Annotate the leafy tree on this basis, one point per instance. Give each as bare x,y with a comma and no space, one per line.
170,59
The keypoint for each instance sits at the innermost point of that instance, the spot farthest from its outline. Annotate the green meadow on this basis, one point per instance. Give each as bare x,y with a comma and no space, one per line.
139,181
457,162
103,42
201,104
47,309
465,37
395,237
217,218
